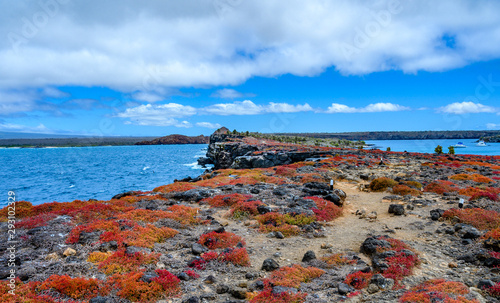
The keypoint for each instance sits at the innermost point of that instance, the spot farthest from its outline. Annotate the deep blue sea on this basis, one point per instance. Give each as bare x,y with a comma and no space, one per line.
43,175
428,146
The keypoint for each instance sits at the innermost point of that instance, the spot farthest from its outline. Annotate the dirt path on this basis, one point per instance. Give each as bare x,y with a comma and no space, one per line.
347,232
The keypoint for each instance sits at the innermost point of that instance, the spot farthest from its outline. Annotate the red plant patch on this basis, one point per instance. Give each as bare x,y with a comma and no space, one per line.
267,296
492,234
76,288
236,256
437,290
404,190
292,276
122,262
402,263
477,217
123,232
245,209
225,200
359,279
440,187
495,290
484,194
175,187
214,240
325,210
337,260
131,287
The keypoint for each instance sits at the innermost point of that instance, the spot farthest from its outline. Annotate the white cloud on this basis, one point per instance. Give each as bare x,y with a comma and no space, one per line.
167,114
383,107
287,108
124,45
158,115
227,93
460,108
147,97
492,126
9,127
340,108
246,107
209,125
371,108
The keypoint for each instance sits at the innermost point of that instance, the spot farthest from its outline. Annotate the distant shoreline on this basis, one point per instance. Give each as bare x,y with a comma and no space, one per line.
400,135
353,136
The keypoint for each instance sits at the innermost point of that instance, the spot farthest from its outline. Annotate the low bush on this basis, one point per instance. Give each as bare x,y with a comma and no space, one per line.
404,190
440,187
381,184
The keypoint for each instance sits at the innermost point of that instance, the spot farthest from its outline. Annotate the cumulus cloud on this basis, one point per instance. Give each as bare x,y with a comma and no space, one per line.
126,45
459,108
209,125
287,108
371,108
246,107
167,114
158,115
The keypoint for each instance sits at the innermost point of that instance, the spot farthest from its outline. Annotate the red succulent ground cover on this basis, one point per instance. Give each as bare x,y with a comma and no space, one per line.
290,276
438,290
122,262
214,240
236,256
358,279
402,263
325,210
123,232
477,217
128,286
225,200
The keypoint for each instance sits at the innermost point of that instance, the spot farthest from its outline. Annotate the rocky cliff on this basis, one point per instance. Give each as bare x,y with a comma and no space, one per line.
232,151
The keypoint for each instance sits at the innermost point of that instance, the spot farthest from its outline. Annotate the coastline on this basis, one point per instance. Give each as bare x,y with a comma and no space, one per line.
227,234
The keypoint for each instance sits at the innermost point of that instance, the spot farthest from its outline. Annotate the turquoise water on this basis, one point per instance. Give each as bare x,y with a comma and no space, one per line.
43,175
428,146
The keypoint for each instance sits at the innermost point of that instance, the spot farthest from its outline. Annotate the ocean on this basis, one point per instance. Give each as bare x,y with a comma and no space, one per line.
428,146
42,175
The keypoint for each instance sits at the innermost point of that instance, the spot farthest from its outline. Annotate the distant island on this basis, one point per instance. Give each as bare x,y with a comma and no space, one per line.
176,139
71,142
403,135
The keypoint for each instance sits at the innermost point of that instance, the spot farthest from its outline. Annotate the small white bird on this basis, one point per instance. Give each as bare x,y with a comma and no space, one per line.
461,203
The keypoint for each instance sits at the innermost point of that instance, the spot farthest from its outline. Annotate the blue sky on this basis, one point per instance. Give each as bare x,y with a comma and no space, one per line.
150,68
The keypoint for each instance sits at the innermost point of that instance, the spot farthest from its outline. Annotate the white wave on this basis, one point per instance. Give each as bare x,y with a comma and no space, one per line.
146,168
194,165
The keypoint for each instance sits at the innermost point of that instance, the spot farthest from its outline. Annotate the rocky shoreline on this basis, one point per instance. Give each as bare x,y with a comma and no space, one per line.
266,225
